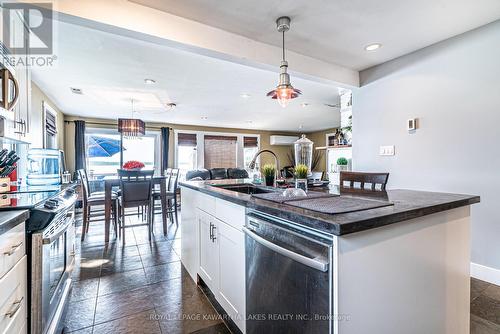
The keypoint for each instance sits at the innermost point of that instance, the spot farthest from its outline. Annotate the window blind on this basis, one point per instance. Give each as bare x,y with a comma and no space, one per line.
220,151
50,124
250,142
186,139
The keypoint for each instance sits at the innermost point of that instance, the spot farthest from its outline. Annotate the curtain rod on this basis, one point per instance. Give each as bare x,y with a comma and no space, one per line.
116,124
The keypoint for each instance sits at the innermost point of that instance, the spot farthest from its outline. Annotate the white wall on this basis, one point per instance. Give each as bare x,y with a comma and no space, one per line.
453,87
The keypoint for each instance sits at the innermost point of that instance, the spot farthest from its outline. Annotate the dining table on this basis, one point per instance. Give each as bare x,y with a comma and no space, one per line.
111,182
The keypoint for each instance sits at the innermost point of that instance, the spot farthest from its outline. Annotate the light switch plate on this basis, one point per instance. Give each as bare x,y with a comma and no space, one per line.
386,150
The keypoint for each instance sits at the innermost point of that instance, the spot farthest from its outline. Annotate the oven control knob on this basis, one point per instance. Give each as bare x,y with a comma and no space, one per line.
51,204
70,191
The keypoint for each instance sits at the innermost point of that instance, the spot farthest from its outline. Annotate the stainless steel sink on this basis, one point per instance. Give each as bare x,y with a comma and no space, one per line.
245,188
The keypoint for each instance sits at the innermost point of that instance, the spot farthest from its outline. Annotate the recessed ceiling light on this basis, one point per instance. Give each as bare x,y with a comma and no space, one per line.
249,122
149,81
301,126
204,118
304,104
373,47
76,90
245,95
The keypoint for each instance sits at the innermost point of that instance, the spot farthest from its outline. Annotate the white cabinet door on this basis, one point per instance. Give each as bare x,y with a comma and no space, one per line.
231,293
189,232
209,258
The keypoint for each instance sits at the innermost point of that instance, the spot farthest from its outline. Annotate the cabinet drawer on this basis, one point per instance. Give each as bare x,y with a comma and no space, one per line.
12,248
206,203
13,299
230,213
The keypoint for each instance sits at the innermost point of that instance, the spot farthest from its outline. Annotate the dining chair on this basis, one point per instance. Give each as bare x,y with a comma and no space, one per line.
171,210
93,199
363,179
136,191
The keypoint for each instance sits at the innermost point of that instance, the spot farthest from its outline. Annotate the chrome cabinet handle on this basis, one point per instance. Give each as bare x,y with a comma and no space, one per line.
13,249
211,235
212,232
13,312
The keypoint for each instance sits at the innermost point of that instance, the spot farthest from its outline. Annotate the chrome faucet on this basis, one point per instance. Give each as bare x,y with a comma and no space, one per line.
276,161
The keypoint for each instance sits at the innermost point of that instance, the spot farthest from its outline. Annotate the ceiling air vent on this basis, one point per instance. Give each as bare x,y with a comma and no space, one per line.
76,90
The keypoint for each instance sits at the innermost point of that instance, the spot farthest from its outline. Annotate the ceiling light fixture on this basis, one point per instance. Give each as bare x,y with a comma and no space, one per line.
149,81
171,105
284,92
131,127
373,47
204,118
304,104
245,95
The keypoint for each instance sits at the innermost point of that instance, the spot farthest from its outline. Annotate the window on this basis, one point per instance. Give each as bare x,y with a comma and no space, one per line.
220,151
250,148
186,152
106,162
198,149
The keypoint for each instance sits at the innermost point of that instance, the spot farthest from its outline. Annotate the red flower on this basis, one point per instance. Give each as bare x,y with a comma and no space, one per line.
132,164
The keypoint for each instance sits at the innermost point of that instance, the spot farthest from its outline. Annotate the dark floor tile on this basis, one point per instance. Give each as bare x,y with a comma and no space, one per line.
86,269
125,303
492,291
159,258
84,289
87,330
476,287
115,249
80,314
163,272
155,247
122,281
187,316
215,329
139,323
174,291
120,264
486,308
482,326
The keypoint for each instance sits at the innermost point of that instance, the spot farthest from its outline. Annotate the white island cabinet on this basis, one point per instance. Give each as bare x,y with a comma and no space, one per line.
213,248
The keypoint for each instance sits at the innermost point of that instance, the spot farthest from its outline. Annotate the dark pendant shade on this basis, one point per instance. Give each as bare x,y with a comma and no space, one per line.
131,127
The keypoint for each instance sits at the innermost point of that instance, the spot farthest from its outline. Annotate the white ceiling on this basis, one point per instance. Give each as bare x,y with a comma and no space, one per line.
337,31
110,69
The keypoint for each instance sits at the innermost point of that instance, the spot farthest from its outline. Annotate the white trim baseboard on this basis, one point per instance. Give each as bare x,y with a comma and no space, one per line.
483,273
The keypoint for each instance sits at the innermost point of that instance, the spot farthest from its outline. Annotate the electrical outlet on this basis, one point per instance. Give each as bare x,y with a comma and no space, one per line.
386,150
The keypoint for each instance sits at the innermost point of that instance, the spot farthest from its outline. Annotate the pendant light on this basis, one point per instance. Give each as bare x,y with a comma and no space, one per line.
284,92
131,127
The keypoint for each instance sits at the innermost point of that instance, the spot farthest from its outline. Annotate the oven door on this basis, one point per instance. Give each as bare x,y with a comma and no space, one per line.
57,264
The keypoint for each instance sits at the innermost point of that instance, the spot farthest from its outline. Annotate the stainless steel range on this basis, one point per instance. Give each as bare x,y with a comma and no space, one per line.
51,240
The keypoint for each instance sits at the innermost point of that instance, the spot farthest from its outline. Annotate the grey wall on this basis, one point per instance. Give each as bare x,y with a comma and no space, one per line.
453,87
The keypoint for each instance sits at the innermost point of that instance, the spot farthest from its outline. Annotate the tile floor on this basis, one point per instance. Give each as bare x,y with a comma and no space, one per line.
136,288
143,288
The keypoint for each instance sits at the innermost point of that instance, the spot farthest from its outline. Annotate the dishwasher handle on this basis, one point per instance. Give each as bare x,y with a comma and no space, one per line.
313,263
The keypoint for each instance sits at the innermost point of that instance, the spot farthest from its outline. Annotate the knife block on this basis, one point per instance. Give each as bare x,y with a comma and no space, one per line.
4,184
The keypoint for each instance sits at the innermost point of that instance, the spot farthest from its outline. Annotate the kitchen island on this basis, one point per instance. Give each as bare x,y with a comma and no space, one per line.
398,265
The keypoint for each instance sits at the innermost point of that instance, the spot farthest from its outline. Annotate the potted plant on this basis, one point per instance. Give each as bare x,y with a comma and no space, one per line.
301,172
269,172
342,164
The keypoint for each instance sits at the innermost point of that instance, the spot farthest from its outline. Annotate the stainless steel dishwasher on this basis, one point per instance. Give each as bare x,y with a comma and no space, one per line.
288,277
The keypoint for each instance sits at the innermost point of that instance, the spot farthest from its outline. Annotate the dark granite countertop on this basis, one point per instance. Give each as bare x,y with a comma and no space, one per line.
10,219
407,204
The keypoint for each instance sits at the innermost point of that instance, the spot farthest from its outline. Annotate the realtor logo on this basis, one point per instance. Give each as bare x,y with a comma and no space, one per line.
28,33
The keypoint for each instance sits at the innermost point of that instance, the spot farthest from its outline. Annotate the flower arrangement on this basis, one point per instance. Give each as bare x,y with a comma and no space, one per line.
133,165
300,171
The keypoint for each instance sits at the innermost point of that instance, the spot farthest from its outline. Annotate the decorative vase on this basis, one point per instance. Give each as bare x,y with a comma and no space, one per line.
301,184
269,180
341,168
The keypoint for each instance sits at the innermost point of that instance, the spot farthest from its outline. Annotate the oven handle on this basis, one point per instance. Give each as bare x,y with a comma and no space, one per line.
70,218
313,263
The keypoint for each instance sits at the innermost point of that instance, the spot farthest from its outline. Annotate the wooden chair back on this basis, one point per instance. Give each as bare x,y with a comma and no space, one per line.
135,175
85,184
374,179
173,180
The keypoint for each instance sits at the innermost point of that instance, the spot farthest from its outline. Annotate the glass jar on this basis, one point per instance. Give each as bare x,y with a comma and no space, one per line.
303,152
